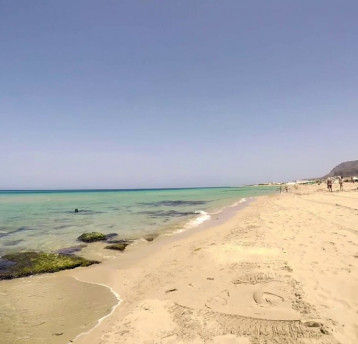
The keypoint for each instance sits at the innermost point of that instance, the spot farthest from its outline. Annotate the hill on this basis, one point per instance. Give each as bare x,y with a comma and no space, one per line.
345,169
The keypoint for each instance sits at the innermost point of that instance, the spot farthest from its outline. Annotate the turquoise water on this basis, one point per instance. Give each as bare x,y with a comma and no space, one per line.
46,220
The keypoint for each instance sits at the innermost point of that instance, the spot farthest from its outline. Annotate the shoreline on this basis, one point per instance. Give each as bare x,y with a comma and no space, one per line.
119,300
258,264
142,249
137,253
38,222
139,250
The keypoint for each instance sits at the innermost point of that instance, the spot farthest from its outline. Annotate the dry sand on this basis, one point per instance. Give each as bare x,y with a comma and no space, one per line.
282,270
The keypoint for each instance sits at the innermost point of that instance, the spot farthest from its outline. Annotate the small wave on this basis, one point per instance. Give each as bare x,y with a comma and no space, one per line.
203,216
242,200
233,205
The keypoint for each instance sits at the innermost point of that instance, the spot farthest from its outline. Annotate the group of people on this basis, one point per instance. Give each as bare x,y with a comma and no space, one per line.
330,181
283,187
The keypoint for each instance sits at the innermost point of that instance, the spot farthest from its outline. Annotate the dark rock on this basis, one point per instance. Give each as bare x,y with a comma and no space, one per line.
5,265
71,250
120,241
32,263
111,235
150,237
118,247
91,237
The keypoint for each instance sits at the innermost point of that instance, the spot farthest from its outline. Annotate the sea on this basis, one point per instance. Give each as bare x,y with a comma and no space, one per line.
47,220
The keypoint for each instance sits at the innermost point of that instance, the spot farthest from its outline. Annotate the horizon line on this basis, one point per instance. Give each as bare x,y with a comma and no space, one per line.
121,189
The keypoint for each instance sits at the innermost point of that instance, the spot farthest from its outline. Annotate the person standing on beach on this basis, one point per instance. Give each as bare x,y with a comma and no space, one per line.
340,178
329,184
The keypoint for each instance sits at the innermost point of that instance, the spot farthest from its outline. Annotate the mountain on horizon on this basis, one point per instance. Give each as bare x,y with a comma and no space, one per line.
345,169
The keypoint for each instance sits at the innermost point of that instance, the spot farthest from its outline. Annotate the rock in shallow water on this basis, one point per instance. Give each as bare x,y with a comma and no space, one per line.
150,237
71,250
91,237
111,235
31,263
119,246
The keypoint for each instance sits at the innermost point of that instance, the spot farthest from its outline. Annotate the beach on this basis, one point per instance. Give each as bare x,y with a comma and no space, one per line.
162,172
55,308
284,269
280,268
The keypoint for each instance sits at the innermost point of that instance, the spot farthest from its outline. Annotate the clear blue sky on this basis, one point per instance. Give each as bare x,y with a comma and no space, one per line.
124,93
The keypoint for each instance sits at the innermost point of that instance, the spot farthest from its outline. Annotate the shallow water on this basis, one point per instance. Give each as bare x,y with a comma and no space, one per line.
46,220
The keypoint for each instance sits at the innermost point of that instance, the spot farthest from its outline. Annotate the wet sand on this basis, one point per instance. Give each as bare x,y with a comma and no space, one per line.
50,308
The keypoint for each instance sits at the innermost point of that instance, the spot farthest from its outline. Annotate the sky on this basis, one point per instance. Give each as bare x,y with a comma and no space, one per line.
146,94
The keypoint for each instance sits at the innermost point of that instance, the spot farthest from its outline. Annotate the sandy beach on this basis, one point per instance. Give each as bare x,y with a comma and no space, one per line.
164,172
284,269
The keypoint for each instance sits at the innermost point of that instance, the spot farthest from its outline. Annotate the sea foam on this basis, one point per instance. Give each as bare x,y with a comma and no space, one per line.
242,200
203,216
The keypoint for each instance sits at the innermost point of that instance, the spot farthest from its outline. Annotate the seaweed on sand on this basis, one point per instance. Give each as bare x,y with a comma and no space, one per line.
23,264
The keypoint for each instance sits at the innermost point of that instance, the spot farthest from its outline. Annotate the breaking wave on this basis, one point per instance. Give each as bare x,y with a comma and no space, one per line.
203,216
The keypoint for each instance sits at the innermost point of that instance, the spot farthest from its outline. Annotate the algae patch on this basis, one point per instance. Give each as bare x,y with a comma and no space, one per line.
92,237
31,263
118,246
